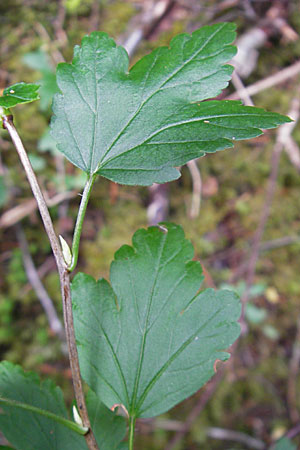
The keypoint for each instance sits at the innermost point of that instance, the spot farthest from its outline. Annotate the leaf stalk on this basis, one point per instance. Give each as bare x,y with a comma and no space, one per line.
79,221
42,412
131,432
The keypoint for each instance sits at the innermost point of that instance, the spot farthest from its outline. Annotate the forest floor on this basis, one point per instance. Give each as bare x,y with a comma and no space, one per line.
245,233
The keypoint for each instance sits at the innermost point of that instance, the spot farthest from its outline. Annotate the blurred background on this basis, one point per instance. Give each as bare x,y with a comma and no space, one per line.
240,208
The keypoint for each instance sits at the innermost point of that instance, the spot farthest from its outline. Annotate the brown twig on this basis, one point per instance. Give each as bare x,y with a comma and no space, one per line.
292,378
58,23
263,247
283,131
239,87
63,277
150,19
200,405
197,188
17,213
94,20
158,207
212,432
235,436
293,152
266,83
37,285
55,54
293,432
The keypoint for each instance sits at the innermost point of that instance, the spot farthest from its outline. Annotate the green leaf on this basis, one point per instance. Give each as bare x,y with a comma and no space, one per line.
284,444
39,60
109,429
135,127
31,431
254,314
19,93
142,337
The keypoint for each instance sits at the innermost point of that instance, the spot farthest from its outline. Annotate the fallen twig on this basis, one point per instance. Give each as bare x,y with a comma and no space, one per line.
266,83
235,436
200,405
292,150
197,188
239,87
64,278
149,20
34,279
284,131
292,378
17,213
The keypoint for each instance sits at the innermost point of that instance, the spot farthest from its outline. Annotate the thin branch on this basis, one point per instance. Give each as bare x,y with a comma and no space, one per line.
37,285
268,82
157,210
195,412
212,432
17,213
263,247
235,436
283,131
292,378
58,23
293,152
63,277
239,87
55,54
293,432
9,126
197,188
150,19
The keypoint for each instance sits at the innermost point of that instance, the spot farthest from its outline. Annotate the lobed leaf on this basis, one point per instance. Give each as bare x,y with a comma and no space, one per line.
31,431
136,126
19,93
149,340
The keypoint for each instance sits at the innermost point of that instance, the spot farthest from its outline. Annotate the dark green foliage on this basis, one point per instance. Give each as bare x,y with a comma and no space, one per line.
31,431
19,93
142,337
135,127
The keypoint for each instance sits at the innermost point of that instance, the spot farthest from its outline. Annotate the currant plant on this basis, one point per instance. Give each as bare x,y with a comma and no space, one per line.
149,338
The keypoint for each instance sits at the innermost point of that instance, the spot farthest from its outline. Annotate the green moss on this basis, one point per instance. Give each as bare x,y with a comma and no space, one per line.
115,17
121,221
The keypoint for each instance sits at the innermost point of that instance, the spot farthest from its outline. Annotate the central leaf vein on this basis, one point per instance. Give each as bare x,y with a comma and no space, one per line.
157,90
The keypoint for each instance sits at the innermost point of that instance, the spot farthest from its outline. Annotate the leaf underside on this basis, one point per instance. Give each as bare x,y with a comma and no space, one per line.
149,340
31,431
135,127
19,93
